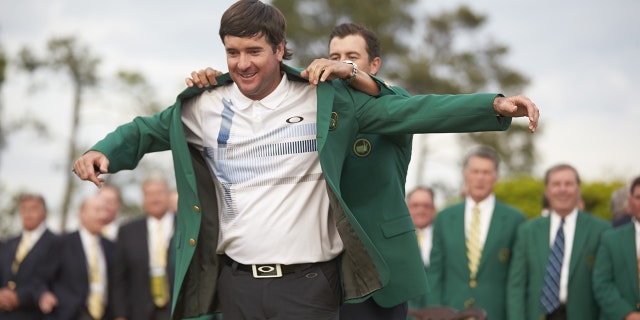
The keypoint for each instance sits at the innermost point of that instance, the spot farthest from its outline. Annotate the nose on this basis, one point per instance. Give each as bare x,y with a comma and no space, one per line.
244,62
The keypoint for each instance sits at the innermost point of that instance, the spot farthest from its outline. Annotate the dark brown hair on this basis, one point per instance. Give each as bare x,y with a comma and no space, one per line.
559,167
370,38
249,18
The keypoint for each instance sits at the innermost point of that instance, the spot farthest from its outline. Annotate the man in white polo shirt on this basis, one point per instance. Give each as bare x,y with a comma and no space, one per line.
264,151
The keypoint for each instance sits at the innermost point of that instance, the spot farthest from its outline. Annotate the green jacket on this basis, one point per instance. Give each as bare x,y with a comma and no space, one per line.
342,113
448,268
382,161
615,274
529,264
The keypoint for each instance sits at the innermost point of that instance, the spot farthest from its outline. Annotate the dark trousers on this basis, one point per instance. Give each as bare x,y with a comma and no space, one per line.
370,310
310,293
558,314
162,313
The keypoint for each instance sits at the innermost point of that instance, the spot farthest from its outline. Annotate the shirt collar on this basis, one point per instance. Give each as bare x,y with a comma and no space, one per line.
636,223
272,101
166,220
570,218
87,237
36,233
485,204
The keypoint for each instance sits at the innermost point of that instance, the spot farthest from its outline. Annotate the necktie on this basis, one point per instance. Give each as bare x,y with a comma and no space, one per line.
474,250
21,252
420,235
551,291
159,280
95,304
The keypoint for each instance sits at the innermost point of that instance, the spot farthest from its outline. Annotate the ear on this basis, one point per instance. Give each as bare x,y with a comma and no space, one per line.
374,65
280,50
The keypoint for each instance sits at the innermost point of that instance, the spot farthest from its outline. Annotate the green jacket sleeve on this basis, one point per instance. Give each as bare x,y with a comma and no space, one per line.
125,146
393,114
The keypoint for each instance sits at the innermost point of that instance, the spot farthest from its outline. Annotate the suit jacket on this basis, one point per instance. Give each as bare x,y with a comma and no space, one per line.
29,281
71,278
342,113
388,225
529,264
449,266
132,284
615,274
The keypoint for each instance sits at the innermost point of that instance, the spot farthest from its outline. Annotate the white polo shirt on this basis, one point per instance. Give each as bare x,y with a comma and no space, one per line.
272,198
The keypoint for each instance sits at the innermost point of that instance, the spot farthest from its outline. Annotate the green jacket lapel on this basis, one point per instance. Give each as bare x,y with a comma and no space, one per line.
629,253
492,236
542,247
459,237
325,94
583,228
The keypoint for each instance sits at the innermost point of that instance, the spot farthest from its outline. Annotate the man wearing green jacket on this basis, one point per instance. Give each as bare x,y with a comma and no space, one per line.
459,277
263,229
615,274
551,269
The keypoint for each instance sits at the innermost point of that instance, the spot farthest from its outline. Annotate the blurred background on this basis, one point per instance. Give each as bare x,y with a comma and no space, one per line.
71,71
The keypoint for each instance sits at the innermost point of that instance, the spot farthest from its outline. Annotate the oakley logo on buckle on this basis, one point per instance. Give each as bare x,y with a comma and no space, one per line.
266,270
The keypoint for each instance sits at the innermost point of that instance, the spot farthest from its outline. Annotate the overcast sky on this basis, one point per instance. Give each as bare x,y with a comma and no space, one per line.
581,57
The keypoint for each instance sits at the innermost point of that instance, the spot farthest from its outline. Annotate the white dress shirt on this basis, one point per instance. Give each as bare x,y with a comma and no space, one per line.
426,236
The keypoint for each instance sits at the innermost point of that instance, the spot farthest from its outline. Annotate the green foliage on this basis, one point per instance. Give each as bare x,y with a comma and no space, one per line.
526,193
3,66
523,192
597,197
309,23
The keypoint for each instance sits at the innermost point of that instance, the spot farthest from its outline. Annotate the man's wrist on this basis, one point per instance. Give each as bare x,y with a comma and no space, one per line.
354,73
496,102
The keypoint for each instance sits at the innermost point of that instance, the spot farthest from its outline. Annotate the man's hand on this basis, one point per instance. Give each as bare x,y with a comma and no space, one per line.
90,165
203,78
321,70
47,302
8,300
517,106
633,316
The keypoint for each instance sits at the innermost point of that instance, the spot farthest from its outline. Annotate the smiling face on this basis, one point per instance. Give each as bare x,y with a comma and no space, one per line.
421,208
253,65
353,47
563,190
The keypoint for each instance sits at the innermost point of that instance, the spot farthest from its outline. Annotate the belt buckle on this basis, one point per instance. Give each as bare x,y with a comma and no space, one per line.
267,270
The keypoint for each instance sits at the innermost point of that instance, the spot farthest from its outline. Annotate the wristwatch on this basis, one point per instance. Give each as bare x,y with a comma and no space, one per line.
353,74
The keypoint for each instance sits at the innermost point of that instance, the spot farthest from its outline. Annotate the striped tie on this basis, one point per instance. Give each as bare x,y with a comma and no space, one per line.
474,251
551,291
